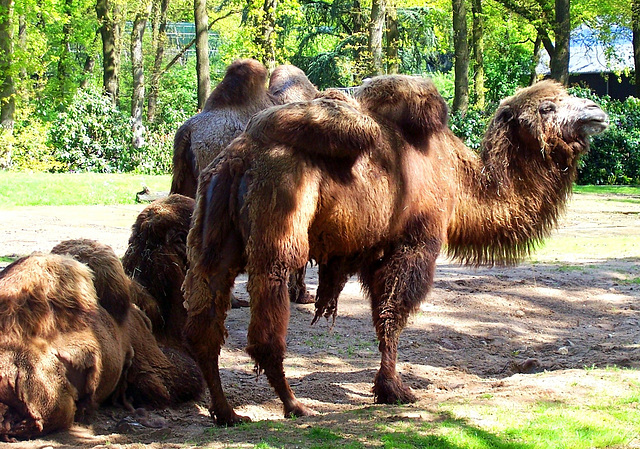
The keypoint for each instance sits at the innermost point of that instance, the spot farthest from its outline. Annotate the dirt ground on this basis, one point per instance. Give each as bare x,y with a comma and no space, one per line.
479,331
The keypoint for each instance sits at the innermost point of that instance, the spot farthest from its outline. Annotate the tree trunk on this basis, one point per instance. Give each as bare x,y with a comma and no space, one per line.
393,37
89,64
202,50
478,53
635,20
461,51
560,59
358,31
535,59
269,34
376,32
137,71
160,42
110,33
22,42
7,89
64,61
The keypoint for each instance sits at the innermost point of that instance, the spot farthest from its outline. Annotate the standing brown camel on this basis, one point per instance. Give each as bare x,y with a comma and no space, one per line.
240,94
375,188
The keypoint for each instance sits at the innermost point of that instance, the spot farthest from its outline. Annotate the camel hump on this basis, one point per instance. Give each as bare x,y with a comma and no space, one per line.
288,84
243,83
42,295
412,103
323,127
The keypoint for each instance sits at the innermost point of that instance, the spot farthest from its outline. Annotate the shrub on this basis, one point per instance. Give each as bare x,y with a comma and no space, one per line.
92,135
470,127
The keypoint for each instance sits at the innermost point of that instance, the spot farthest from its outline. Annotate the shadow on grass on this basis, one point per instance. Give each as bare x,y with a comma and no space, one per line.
388,427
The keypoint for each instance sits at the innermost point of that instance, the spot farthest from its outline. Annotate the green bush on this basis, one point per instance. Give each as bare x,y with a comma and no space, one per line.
470,127
614,156
92,135
26,148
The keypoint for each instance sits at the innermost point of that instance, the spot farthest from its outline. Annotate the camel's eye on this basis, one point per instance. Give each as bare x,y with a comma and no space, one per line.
547,107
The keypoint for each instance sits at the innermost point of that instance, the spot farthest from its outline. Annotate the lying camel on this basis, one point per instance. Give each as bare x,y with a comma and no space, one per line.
62,353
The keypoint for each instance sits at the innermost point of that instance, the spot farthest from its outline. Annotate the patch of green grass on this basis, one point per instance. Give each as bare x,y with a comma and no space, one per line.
7,259
590,247
58,189
608,190
631,281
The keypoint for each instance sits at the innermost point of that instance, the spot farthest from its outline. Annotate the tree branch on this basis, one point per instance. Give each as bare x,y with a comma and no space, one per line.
193,41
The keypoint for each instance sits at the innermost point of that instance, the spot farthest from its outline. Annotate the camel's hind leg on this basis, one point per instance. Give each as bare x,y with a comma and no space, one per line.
204,331
397,284
267,332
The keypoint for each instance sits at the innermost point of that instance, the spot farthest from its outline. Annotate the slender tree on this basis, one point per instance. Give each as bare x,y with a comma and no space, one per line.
159,42
393,39
268,33
7,88
108,13
376,33
478,53
202,50
543,15
635,20
137,71
461,52
562,27
64,61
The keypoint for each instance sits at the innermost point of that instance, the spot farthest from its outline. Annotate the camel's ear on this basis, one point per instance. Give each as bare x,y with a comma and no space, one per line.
504,114
412,103
324,126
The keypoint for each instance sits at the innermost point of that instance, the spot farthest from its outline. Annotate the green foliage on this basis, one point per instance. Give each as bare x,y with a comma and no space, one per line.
26,149
469,127
614,156
508,63
92,135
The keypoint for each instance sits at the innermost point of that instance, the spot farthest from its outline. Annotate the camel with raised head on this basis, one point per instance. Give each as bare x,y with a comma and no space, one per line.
376,186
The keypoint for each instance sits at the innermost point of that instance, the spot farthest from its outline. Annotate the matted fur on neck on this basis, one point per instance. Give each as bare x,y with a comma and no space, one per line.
511,195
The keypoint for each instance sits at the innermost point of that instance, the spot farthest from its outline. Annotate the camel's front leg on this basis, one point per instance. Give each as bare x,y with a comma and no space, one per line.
397,284
267,333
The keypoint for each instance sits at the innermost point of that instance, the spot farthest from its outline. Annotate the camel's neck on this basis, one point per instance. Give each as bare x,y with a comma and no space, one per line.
508,200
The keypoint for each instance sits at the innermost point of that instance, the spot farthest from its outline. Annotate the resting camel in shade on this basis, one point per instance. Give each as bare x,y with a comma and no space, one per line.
376,186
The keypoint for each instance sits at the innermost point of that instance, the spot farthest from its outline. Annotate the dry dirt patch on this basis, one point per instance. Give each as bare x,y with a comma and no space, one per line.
522,334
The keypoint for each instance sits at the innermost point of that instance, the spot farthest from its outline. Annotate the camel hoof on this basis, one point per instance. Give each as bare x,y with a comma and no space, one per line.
298,410
305,298
393,393
231,420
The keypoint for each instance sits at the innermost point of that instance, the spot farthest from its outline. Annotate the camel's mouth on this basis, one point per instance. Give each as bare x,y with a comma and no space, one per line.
593,121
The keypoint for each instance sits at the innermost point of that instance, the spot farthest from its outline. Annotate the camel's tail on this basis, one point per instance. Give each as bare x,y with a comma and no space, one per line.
185,170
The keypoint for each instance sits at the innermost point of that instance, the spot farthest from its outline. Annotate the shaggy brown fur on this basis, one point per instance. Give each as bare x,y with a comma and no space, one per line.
60,352
152,379
228,109
157,259
272,203
241,93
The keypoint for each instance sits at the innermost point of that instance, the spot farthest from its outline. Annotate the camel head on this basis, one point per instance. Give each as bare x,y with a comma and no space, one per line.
35,395
412,103
544,119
